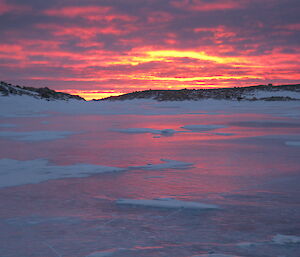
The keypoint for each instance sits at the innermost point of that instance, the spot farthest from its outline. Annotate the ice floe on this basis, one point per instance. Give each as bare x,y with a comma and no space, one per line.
286,239
202,128
167,164
167,203
36,135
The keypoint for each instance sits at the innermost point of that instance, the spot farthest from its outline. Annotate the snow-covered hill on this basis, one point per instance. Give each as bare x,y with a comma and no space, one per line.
7,89
253,93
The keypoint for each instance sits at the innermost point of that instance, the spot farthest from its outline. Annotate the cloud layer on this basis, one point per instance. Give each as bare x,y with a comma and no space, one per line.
100,48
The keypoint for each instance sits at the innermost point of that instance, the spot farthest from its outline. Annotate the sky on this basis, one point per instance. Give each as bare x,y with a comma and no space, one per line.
98,48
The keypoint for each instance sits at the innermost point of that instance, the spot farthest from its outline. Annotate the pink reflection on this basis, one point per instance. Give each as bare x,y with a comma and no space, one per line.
225,159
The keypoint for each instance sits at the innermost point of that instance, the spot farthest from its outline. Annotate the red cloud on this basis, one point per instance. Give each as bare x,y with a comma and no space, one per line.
93,13
200,5
15,8
82,32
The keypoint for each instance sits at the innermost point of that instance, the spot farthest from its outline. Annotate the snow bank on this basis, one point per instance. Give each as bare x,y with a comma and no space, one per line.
36,135
15,173
168,164
280,93
285,239
26,106
166,203
202,128
164,132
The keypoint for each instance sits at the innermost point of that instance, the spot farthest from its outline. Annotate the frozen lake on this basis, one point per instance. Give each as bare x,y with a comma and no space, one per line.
85,179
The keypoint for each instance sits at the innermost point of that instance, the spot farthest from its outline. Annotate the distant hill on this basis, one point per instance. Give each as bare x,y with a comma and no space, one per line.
7,89
252,93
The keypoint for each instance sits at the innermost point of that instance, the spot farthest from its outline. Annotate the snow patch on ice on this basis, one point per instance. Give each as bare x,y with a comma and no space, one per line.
166,203
104,253
15,172
36,135
292,143
286,239
168,164
215,255
224,134
202,128
45,122
164,132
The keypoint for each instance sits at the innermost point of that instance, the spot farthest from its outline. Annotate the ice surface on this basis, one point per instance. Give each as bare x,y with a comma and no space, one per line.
15,173
168,164
286,239
202,128
292,143
166,203
93,224
36,135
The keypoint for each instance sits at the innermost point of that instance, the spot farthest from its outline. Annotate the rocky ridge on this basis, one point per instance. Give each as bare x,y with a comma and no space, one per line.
7,89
